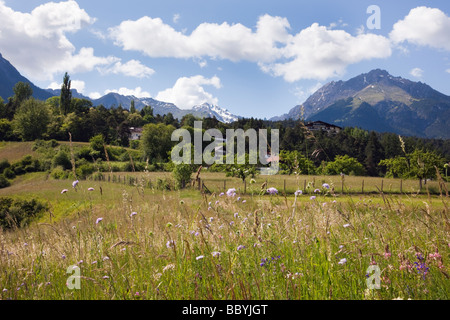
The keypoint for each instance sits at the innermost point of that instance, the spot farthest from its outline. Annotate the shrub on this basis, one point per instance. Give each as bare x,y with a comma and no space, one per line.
19,213
62,159
4,164
182,174
59,173
85,170
9,174
4,183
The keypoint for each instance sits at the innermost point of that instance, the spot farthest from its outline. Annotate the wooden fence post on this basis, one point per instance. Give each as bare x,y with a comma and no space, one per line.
401,185
381,185
362,188
245,186
284,186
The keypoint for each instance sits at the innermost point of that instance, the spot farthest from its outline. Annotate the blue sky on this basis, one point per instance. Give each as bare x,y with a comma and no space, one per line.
254,58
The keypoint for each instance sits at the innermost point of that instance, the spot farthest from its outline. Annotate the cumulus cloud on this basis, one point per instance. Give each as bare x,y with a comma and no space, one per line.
138,92
36,42
224,41
188,92
132,68
416,72
317,52
425,27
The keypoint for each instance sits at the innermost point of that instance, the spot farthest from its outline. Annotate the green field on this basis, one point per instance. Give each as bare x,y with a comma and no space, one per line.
192,245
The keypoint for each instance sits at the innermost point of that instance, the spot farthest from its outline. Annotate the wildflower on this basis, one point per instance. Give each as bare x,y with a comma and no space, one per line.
90,189
215,253
312,198
209,208
105,258
137,293
317,190
197,234
240,247
346,225
133,214
244,201
221,194
105,277
252,181
98,220
231,223
63,256
181,201
272,191
236,215
75,183
64,191
387,253
170,244
342,261
231,192
239,199
199,257
94,262
211,219
5,290
298,193
216,202
326,186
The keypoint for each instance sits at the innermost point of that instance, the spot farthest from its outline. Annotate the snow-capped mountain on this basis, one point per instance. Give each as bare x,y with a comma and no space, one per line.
209,110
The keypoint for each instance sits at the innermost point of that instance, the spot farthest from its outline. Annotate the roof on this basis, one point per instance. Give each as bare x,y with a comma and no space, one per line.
323,124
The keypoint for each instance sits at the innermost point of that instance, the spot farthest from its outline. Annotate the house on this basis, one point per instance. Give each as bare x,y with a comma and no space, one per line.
135,133
323,126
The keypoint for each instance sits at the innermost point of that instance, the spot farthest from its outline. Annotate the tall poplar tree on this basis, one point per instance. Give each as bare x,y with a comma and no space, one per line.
66,95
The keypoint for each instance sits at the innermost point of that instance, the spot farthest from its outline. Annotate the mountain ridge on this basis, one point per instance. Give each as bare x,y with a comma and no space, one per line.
398,105
9,76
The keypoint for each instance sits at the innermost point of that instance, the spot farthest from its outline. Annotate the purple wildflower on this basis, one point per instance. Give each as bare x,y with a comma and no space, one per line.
298,192
272,191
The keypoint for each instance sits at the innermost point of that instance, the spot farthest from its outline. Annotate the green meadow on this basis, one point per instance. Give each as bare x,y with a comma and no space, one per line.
134,240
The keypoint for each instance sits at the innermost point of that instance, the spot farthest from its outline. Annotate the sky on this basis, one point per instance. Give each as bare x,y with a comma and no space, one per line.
255,58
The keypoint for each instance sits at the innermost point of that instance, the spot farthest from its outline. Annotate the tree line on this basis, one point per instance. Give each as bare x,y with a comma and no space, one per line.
350,151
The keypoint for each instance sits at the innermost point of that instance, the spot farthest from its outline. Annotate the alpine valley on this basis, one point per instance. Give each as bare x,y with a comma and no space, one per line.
374,101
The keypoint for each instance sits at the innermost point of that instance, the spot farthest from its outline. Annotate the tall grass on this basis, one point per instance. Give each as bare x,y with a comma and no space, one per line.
184,245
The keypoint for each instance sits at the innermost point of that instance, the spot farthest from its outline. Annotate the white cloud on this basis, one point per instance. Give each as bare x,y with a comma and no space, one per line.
448,70
416,72
188,92
132,68
94,95
316,52
138,92
319,53
425,27
233,42
176,18
36,42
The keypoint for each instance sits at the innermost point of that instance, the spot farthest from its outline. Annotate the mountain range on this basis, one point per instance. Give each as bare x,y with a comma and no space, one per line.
9,76
374,101
381,102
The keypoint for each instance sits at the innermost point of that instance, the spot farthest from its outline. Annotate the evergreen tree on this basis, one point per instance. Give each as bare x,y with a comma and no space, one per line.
66,95
374,154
